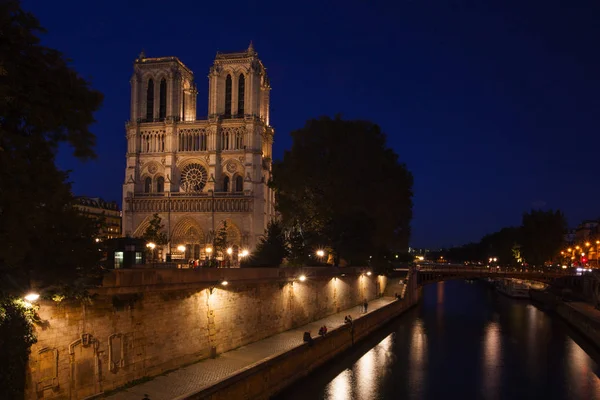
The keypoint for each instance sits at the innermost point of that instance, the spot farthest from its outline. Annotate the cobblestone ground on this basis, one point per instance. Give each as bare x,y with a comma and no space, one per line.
208,372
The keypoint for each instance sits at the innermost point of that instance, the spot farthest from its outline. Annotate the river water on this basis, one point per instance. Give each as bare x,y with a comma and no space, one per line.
463,341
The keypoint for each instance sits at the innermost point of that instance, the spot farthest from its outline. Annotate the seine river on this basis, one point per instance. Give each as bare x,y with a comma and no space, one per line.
463,341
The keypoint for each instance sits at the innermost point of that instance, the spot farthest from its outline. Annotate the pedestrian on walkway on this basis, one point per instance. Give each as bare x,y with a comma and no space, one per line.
365,305
307,338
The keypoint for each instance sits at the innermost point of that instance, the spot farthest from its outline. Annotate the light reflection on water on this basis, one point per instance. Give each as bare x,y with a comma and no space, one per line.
363,380
492,349
417,356
580,372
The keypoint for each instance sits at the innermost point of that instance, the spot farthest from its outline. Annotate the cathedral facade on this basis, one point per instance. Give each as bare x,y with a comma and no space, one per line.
199,175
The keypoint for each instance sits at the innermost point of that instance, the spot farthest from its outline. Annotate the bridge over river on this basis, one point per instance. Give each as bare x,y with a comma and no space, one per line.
440,272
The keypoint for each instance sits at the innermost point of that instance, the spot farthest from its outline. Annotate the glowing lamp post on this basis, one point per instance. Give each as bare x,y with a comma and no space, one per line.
151,246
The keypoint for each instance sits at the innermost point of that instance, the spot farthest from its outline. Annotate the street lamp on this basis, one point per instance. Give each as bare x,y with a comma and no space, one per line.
181,248
31,297
302,278
151,246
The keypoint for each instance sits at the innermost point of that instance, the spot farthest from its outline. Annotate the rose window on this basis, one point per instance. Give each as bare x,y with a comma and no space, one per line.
193,178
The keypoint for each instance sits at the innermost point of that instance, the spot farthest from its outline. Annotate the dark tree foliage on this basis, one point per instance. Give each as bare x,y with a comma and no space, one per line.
298,246
16,337
342,183
221,242
44,240
154,232
272,248
500,245
43,102
542,235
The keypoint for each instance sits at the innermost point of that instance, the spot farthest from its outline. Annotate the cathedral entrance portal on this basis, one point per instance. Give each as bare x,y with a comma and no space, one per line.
189,234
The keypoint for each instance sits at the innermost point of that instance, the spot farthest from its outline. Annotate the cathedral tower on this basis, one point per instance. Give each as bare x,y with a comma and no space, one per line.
199,174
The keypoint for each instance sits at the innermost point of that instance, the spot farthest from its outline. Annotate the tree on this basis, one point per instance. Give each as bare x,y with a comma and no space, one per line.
272,248
542,235
43,102
221,243
342,184
44,241
154,232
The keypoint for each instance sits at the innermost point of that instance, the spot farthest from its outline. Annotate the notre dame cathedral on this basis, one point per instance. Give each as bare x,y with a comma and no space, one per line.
198,174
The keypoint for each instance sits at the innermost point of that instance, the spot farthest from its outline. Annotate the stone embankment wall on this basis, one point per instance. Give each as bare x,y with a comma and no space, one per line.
143,323
589,327
271,376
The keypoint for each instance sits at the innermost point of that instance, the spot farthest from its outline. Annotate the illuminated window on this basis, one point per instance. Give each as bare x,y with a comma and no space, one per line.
241,89
239,184
150,101
118,259
226,184
160,184
138,257
228,95
148,185
162,111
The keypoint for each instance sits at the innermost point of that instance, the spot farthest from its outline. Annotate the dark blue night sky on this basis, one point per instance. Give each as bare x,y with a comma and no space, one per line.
493,105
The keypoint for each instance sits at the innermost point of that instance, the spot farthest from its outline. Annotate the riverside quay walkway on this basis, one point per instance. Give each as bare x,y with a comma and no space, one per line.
186,381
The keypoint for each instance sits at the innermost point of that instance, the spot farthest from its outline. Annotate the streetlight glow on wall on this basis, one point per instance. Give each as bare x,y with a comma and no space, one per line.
32,297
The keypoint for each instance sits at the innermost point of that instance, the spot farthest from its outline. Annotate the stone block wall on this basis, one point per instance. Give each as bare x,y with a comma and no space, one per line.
125,335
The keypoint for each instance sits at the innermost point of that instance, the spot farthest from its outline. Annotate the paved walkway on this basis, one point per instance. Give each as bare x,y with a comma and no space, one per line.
210,371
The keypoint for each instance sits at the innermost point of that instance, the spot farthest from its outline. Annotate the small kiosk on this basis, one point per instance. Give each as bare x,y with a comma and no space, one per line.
124,252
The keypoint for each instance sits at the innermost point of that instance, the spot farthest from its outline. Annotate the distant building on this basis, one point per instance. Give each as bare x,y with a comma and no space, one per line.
569,237
106,212
586,231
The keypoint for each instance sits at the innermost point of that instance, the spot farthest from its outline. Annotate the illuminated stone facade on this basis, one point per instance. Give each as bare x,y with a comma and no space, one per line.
198,173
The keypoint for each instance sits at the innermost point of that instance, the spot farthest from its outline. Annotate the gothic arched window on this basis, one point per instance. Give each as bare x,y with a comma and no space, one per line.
162,110
148,185
160,184
239,184
228,95
150,100
226,184
241,91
